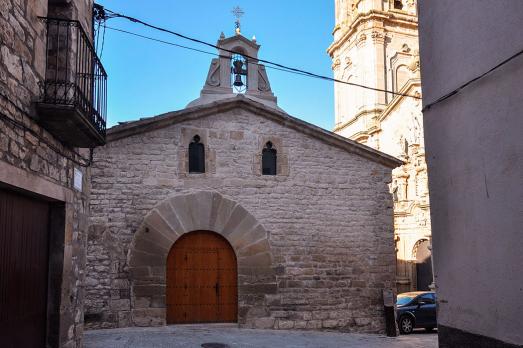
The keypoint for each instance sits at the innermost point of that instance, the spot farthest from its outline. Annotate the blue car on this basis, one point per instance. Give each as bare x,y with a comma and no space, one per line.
416,309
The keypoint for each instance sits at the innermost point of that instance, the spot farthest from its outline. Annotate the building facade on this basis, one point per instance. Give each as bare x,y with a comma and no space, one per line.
476,165
44,175
376,44
230,210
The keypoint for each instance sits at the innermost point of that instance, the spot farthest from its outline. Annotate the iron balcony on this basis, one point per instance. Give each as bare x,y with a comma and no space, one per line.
73,97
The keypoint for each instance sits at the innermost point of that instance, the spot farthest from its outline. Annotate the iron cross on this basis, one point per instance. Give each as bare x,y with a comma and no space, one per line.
237,12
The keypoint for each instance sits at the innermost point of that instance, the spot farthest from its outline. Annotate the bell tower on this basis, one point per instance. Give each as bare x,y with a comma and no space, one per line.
376,44
236,71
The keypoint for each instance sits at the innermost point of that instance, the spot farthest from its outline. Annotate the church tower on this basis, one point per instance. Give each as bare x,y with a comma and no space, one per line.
236,71
376,44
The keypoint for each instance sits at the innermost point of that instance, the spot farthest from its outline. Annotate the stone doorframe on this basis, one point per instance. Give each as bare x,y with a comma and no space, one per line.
186,212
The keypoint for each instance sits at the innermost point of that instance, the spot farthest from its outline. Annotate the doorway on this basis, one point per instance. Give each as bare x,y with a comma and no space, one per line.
24,260
423,266
202,280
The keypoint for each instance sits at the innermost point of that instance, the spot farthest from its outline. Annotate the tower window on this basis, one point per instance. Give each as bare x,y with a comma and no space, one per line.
196,156
398,5
268,159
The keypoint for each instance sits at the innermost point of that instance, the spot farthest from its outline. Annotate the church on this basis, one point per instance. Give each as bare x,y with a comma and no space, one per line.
231,210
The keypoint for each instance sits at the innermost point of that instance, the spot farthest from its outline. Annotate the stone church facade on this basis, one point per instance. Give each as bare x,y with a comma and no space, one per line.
312,236
376,44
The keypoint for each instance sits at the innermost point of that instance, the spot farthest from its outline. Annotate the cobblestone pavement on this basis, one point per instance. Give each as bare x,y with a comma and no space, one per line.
189,336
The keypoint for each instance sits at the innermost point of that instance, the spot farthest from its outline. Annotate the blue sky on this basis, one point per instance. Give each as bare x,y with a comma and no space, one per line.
148,78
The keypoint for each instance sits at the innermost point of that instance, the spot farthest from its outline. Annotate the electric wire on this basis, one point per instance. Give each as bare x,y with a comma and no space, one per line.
103,41
191,48
457,90
83,163
113,14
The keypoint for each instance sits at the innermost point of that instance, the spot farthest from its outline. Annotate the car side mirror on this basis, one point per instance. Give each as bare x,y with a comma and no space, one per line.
421,303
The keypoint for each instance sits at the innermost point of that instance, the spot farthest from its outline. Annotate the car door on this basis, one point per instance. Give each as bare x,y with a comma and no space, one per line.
426,311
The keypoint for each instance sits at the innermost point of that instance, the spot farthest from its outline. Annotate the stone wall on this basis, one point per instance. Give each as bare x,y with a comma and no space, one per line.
328,218
33,160
475,161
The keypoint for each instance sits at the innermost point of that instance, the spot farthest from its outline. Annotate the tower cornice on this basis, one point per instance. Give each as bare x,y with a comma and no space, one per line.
386,17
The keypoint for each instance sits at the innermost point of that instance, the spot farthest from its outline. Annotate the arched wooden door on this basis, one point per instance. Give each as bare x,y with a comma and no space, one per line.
201,280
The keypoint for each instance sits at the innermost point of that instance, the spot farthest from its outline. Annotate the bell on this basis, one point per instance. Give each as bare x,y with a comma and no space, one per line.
238,80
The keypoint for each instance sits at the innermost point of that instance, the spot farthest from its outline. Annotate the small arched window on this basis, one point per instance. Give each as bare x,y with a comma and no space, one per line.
196,156
398,5
268,159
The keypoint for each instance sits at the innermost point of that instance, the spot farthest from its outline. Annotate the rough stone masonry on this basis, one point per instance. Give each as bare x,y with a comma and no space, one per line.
314,243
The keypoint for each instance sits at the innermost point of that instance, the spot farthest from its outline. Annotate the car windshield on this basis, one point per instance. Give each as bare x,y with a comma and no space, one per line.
404,299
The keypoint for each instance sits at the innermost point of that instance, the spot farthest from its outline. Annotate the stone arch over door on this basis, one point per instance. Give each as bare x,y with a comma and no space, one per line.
193,211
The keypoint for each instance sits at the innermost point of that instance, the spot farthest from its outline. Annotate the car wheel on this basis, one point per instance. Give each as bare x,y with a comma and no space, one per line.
406,325
429,329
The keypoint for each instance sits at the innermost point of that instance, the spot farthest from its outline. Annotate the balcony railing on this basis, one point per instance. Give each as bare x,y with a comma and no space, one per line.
73,98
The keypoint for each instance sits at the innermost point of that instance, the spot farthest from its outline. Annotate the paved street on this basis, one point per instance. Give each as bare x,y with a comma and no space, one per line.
189,336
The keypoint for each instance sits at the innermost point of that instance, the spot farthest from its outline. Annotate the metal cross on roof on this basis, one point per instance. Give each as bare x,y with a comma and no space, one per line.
237,12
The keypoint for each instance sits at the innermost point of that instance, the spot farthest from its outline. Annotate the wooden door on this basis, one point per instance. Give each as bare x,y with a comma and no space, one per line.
201,280
24,238
423,267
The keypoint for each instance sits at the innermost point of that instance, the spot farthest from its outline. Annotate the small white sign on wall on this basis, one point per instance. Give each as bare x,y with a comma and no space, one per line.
78,179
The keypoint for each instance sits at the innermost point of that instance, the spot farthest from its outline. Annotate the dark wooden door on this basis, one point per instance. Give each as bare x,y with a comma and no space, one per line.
201,280
24,238
423,267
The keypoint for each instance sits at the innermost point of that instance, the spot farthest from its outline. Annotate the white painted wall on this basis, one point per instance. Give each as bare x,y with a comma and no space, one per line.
474,147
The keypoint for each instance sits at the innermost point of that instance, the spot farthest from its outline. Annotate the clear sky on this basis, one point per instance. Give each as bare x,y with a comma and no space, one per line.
147,78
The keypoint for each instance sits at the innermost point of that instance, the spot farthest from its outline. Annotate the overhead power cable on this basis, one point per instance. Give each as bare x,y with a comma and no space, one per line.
457,90
112,14
191,48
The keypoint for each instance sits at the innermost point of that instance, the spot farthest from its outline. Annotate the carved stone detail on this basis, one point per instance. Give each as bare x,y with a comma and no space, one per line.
263,79
336,64
362,38
213,77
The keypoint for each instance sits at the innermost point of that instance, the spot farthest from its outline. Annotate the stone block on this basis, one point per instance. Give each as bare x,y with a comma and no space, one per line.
285,324
236,217
362,321
120,305
255,261
261,289
169,215
300,324
260,246
264,323
141,302
199,205
140,259
155,221
358,284
148,290
236,135
148,317
314,324
329,324
124,319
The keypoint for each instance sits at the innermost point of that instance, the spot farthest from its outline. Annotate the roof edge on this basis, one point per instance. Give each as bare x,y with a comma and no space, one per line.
164,120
